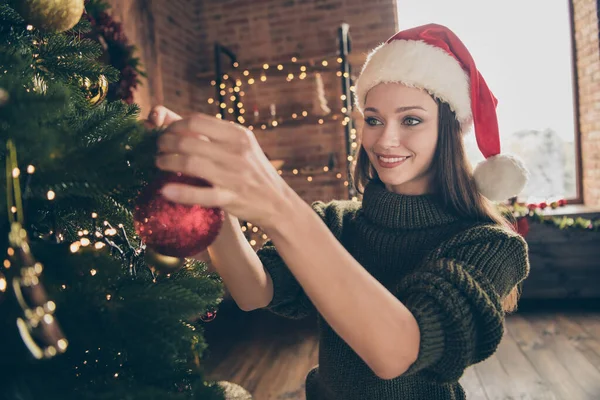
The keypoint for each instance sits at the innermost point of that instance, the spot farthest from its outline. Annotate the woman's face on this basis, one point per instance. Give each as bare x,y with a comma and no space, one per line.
400,136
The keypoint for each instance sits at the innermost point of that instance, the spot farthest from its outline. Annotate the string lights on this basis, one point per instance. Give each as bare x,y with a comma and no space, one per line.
234,105
36,323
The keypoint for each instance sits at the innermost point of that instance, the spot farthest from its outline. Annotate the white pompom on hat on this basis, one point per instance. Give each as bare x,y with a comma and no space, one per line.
433,58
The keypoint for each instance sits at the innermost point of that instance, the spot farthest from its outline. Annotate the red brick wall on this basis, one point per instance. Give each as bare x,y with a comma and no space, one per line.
588,71
167,35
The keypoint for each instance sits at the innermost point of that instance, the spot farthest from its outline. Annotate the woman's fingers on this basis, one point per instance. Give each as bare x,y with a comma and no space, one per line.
181,144
207,197
214,129
199,167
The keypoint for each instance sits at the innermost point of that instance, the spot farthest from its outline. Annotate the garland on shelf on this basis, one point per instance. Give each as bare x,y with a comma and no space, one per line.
231,90
533,212
117,50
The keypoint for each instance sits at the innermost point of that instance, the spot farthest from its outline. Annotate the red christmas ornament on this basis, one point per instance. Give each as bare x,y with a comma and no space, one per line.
209,316
522,226
174,229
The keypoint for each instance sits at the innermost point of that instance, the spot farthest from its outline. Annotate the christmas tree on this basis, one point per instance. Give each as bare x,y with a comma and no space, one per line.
83,315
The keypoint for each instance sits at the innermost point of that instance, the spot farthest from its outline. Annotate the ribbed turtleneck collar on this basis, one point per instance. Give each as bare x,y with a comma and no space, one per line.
399,211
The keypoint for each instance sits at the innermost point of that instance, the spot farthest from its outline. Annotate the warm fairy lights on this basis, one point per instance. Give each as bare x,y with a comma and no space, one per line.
255,76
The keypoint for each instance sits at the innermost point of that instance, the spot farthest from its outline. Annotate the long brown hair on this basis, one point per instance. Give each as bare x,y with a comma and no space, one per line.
453,174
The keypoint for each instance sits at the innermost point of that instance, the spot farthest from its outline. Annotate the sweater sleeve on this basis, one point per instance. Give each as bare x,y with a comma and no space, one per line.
289,299
455,297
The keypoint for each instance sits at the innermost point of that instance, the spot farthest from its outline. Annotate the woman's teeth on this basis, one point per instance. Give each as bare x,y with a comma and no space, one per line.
391,160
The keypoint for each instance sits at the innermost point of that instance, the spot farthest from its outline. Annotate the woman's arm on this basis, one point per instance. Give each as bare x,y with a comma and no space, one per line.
344,292
234,259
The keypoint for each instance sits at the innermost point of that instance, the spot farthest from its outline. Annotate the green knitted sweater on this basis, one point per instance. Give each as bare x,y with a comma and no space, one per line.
451,273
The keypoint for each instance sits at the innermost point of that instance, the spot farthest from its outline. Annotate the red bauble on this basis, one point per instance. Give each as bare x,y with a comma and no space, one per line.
209,316
523,226
174,229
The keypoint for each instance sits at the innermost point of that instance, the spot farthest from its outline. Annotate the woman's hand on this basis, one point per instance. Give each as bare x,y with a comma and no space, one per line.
245,184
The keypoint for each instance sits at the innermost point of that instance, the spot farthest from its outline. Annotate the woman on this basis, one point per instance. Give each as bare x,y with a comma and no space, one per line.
410,285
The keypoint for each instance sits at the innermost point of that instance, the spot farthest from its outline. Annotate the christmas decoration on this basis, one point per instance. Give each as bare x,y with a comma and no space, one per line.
209,316
174,229
117,51
320,106
51,15
161,264
95,92
3,97
37,326
523,214
230,92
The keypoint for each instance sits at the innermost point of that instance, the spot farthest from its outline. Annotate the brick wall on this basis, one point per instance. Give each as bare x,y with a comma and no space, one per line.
166,33
588,71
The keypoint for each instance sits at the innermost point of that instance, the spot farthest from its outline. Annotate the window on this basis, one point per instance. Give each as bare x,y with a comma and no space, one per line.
523,49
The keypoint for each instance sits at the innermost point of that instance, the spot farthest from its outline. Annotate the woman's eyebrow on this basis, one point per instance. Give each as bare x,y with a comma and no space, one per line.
399,109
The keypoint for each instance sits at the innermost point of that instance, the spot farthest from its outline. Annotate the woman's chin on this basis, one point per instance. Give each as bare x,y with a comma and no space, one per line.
392,182
391,178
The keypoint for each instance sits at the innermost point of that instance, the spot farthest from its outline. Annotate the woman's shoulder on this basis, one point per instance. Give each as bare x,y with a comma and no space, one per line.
483,237
487,231
336,212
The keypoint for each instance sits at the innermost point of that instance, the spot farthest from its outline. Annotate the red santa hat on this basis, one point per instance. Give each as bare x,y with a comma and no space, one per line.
432,57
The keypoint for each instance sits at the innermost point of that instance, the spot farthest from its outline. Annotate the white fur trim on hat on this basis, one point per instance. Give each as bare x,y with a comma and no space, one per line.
417,64
500,177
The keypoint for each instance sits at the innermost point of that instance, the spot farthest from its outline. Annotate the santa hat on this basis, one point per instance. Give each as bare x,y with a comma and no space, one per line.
432,57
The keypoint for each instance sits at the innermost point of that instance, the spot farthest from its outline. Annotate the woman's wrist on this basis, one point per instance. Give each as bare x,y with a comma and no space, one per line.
287,214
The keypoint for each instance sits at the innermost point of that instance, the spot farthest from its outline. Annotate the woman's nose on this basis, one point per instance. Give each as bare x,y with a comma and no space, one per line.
390,137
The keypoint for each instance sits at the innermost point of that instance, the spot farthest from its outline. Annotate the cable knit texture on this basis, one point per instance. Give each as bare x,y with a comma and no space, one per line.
451,273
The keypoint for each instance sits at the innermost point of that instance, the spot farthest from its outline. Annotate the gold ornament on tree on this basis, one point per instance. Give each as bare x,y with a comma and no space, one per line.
95,92
51,15
4,97
37,326
161,264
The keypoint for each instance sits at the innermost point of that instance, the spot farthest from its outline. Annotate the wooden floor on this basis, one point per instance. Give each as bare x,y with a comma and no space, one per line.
545,355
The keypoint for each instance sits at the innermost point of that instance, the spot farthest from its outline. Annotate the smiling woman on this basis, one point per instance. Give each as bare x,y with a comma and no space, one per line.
424,255
400,142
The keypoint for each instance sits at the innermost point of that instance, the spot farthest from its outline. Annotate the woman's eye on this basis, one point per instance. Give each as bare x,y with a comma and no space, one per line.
371,121
412,121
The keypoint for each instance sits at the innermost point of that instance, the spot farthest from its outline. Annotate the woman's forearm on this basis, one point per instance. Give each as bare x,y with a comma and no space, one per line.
234,259
374,323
